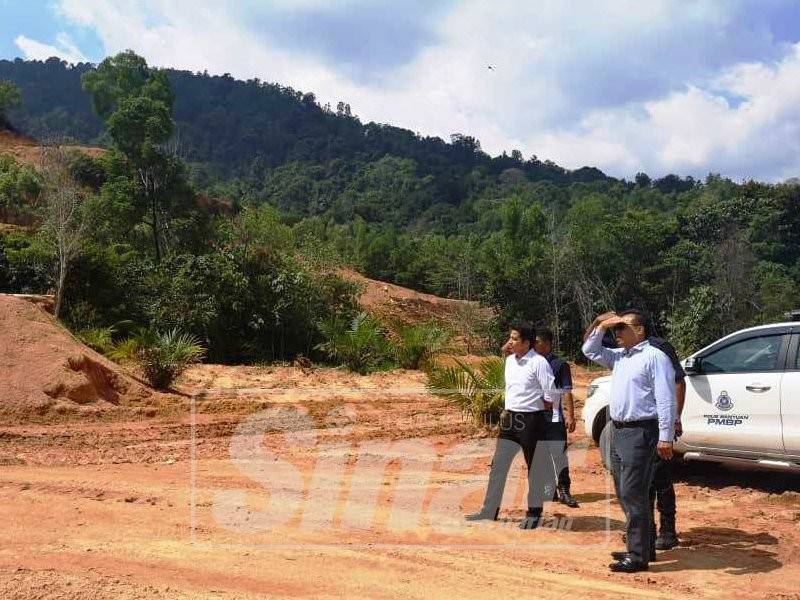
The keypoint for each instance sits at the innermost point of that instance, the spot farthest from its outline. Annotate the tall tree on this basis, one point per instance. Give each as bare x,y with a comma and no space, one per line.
136,103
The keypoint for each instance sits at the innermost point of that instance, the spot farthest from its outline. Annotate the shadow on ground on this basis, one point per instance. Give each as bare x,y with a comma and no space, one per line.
720,548
717,476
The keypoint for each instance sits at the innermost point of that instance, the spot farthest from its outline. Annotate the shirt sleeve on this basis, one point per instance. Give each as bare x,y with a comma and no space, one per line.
544,374
594,350
664,392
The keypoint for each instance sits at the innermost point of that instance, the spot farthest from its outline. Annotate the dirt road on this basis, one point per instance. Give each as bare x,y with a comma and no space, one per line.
319,484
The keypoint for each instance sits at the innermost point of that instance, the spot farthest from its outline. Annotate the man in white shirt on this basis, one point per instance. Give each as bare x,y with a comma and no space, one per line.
529,394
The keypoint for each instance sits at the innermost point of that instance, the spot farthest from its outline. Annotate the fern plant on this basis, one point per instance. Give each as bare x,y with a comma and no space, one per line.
361,344
419,344
168,356
477,391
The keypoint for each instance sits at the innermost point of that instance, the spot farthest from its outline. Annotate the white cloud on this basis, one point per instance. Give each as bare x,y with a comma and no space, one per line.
623,85
697,131
66,49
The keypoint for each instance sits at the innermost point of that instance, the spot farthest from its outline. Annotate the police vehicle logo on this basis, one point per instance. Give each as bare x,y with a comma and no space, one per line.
724,402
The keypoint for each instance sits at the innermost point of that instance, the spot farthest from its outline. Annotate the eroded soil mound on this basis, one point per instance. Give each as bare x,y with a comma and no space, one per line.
48,375
398,305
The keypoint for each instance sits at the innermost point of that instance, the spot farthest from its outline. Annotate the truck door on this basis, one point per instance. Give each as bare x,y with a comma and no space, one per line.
790,399
733,401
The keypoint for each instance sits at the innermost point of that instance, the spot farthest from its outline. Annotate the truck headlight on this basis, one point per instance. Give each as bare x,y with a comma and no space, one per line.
591,390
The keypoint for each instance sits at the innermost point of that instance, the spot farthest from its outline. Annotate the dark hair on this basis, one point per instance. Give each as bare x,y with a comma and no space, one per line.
526,331
545,335
642,319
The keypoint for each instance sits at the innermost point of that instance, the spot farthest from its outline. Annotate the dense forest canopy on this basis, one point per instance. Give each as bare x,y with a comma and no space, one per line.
311,185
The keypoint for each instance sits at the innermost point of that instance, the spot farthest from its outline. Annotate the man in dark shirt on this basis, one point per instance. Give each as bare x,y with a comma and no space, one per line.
563,416
662,492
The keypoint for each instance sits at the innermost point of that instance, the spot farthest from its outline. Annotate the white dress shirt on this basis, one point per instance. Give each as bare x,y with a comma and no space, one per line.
642,383
529,382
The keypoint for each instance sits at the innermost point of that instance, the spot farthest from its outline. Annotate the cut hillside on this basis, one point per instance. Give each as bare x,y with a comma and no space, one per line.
28,151
400,306
47,375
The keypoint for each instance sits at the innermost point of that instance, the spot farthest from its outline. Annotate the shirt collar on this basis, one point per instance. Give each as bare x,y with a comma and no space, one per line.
638,347
528,355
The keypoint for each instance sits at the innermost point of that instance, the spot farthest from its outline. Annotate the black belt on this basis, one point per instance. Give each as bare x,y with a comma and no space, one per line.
641,423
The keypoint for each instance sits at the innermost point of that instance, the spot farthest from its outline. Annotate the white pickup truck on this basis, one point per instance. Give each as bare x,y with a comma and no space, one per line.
742,400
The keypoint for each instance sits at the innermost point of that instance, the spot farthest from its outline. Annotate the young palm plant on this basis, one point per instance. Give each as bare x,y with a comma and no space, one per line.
361,344
419,344
168,356
477,391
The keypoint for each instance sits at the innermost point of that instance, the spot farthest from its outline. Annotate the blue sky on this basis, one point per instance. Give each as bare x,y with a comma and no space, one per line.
687,86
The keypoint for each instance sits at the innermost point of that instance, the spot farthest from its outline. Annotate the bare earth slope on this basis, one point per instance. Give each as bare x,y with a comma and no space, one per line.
282,482
29,151
48,375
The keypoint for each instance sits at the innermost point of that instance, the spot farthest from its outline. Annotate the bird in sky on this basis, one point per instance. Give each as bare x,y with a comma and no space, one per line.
490,67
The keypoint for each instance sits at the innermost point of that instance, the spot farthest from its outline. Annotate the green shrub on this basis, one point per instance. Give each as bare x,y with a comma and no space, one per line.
130,348
360,344
99,339
477,391
168,356
418,344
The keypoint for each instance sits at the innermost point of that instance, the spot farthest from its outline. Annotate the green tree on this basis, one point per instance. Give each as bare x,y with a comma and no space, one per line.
10,98
136,103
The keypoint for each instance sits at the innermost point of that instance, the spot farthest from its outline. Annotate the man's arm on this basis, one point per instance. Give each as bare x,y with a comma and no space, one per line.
505,349
680,378
597,320
569,411
566,397
664,390
545,377
594,350
680,396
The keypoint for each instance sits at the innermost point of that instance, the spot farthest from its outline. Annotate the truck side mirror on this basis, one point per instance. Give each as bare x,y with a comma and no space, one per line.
691,366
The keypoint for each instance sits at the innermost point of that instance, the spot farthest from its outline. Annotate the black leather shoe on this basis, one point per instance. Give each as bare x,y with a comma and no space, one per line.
483,516
628,565
566,498
530,522
621,555
666,541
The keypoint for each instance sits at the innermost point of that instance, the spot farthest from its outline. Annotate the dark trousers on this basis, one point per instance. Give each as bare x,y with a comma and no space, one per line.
632,457
526,431
557,441
662,495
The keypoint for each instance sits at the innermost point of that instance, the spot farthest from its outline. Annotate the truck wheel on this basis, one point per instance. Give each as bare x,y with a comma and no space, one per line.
604,443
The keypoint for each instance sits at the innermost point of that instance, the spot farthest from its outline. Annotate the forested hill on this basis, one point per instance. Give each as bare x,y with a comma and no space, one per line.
232,127
530,239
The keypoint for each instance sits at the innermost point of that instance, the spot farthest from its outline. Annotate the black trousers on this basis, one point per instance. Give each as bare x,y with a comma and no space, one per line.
557,442
527,431
632,460
662,494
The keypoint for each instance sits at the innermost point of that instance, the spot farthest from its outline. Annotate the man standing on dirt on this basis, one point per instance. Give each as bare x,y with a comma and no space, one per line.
529,395
563,420
662,491
642,412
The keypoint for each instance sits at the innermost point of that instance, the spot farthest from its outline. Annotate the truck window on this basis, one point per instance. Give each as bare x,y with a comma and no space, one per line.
752,355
